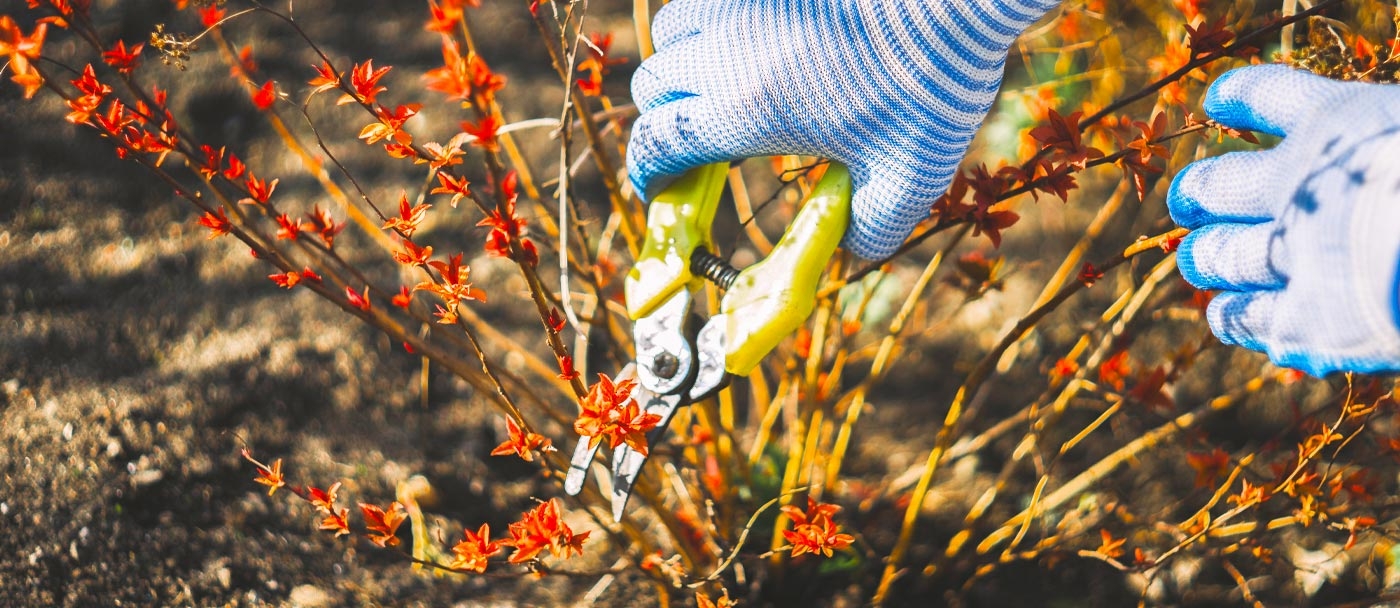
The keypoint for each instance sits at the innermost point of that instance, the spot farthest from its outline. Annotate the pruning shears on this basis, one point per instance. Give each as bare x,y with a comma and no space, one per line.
681,360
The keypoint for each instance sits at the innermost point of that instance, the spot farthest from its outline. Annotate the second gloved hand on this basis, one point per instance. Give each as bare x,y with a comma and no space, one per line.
894,89
1303,239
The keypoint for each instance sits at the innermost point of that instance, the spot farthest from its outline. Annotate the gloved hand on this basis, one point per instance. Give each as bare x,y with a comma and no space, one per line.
894,89
1303,239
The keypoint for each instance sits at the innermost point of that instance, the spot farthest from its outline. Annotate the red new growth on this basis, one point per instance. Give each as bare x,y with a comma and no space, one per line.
124,60
521,443
287,228
216,222
508,225
258,190
383,525
610,412
270,476
475,549
460,77
287,279
245,66
93,93
325,80
412,254
357,300
1108,546
1138,166
1209,466
1088,275
403,298
292,278
1061,133
265,95
542,528
114,120
322,499
335,520
1212,38
1115,370
410,216
813,531
1064,368
556,320
213,161
364,79
456,186
390,125
22,51
440,156
443,19
321,223
454,288
566,368
235,169
211,15
484,132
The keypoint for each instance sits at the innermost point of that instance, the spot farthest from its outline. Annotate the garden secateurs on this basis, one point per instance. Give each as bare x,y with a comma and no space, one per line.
679,360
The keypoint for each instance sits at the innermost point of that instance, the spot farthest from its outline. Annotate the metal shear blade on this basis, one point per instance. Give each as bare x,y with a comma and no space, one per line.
672,370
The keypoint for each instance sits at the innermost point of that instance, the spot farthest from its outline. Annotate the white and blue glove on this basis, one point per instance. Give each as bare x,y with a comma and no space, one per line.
894,89
1302,240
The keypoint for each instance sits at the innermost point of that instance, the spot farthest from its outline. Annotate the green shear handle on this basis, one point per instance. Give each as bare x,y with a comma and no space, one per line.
769,299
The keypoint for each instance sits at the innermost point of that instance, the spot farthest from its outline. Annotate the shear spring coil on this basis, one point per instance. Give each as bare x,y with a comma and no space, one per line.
717,270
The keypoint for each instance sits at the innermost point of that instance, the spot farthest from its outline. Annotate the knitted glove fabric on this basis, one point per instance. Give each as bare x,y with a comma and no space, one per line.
894,89
1302,239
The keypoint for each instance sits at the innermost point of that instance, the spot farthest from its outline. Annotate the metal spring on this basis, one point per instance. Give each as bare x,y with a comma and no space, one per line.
718,271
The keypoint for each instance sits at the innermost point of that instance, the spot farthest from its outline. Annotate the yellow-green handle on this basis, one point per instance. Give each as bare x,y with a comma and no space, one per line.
772,298
678,221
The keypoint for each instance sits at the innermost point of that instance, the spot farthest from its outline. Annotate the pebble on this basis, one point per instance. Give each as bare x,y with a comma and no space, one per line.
309,596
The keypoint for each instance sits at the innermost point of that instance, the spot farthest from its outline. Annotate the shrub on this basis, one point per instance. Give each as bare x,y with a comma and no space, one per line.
1098,428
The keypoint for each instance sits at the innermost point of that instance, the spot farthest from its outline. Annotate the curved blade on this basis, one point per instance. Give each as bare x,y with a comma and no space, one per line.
578,466
583,452
627,462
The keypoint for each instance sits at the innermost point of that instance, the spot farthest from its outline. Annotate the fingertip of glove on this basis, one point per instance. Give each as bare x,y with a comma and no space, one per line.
1186,261
1233,98
1185,210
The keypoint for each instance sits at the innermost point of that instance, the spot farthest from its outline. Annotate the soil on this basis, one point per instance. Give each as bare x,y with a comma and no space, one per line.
137,358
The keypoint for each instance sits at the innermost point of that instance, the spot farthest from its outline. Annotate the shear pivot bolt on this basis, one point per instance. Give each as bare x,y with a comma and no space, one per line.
665,365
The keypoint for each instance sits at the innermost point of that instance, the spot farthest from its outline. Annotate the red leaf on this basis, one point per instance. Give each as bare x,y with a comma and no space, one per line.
566,368
475,549
359,301
325,80
456,186
383,525
265,95
124,60
521,443
404,298
216,222
556,320
364,79
211,15
484,132
1088,275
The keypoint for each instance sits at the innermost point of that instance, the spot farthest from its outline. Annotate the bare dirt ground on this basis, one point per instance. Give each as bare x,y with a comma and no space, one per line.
137,357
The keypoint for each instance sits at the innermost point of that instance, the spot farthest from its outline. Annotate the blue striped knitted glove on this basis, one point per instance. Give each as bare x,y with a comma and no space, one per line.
1303,239
894,89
